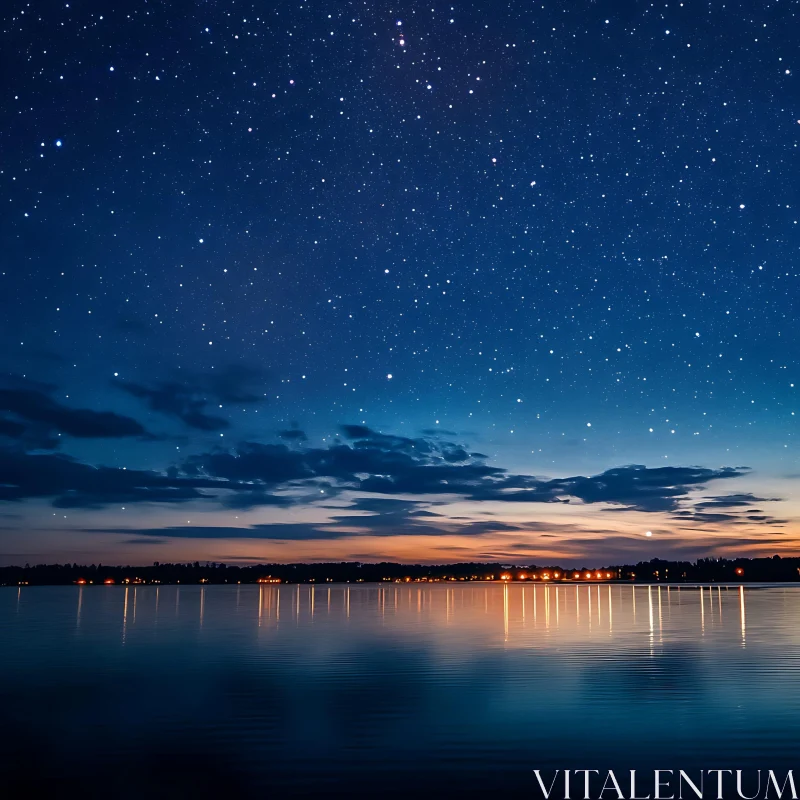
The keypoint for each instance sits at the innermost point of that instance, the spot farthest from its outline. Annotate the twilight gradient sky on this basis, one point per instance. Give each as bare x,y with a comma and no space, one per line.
309,281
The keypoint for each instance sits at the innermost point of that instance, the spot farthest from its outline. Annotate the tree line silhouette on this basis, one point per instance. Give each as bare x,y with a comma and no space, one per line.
775,568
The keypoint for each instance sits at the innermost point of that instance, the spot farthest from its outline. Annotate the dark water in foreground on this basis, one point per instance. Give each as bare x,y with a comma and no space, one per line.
365,689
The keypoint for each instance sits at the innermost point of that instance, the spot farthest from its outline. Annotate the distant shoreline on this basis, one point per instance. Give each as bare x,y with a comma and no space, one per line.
395,584
703,572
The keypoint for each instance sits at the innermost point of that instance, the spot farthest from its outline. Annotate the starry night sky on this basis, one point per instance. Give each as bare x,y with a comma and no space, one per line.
508,281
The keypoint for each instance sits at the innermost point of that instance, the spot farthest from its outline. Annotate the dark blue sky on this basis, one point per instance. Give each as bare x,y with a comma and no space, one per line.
520,245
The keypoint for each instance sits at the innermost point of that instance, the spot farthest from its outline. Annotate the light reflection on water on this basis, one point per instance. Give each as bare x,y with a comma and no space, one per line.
326,687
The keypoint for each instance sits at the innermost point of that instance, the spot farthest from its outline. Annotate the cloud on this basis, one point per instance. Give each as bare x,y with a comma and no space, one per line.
366,438
264,464
375,463
72,484
175,399
146,540
236,383
379,516
245,499
641,488
11,429
733,500
36,416
372,517
293,434
186,398
730,509
396,482
290,531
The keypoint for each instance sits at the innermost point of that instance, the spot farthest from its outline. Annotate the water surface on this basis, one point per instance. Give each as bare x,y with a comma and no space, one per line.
191,691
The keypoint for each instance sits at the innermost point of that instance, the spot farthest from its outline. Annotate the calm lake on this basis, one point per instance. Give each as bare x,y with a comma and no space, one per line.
378,689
